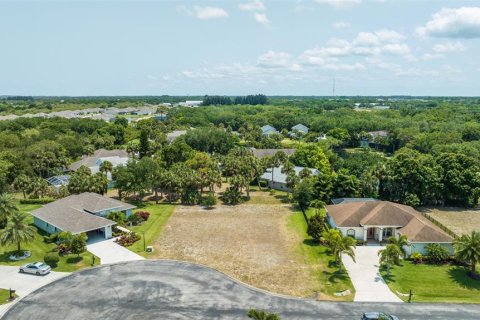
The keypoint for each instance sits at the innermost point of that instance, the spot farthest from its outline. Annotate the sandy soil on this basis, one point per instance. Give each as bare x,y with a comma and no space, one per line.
250,242
458,220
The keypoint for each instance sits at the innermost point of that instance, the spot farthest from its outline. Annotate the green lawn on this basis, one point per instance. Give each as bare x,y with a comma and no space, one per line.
4,296
152,228
38,248
432,283
329,278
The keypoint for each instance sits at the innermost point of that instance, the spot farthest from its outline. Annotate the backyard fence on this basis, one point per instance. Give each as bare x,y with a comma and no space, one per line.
439,224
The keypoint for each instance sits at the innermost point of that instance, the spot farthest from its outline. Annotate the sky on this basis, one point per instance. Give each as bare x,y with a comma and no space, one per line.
297,47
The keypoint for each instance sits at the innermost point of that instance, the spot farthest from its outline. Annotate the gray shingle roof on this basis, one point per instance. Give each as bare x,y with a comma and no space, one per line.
72,213
91,161
280,177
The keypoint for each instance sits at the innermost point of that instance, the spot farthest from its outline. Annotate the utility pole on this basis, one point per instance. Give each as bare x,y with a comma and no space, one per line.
333,91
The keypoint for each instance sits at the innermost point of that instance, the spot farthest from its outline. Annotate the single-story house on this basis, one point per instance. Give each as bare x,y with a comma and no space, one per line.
262,153
172,136
378,220
371,141
268,130
80,213
115,157
277,180
298,129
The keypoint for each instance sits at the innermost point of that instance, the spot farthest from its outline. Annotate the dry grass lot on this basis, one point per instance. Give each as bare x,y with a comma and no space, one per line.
458,220
251,242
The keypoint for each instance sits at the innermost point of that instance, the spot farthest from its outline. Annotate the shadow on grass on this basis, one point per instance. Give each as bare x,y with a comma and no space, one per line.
73,260
5,256
389,278
461,276
282,197
336,276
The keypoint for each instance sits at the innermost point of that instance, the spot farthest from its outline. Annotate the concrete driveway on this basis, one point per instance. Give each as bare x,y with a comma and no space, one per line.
369,284
156,289
23,283
110,252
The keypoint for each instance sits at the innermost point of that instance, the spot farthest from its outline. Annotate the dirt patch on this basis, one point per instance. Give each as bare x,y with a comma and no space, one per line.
460,221
250,242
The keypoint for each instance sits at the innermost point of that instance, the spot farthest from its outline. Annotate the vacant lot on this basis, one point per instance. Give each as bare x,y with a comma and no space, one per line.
458,220
254,242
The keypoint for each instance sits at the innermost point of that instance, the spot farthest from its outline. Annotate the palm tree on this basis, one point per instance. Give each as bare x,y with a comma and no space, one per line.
401,242
7,208
261,315
339,245
17,231
22,183
467,248
389,255
106,167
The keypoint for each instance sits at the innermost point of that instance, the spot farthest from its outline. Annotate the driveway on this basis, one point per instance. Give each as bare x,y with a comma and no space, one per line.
23,283
369,284
110,252
161,289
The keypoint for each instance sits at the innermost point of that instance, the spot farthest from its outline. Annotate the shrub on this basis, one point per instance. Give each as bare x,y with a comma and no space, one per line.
416,257
436,253
117,216
316,225
51,258
78,243
142,215
37,201
50,238
210,201
128,239
231,196
62,249
361,242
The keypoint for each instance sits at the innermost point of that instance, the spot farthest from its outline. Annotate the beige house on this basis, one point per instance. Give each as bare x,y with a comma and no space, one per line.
376,221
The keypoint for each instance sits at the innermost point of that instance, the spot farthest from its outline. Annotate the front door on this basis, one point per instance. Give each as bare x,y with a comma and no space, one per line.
370,233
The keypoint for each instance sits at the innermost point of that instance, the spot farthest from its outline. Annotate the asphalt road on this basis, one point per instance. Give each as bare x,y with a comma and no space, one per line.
175,290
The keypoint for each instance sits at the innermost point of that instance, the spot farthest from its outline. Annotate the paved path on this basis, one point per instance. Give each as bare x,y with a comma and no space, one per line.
110,252
369,284
23,283
150,289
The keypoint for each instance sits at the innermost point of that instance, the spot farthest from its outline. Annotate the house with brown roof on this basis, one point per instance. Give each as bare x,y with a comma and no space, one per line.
80,213
369,220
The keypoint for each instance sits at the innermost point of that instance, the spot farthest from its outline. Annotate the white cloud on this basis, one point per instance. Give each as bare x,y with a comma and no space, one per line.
448,47
340,3
432,56
274,59
461,22
203,13
255,5
376,43
261,18
341,24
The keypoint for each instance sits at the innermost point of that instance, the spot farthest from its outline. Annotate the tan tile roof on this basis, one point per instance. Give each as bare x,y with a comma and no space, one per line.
384,213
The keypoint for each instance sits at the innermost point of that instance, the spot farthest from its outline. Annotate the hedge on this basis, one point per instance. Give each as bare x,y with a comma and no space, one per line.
37,201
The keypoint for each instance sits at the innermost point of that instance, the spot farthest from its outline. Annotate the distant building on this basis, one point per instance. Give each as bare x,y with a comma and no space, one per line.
191,103
262,153
172,136
277,180
115,157
323,136
268,130
298,131
372,140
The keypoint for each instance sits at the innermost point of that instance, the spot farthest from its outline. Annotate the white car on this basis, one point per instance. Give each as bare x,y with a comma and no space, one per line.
38,268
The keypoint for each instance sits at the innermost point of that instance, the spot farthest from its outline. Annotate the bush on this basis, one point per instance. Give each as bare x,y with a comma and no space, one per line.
142,215
210,201
62,249
361,242
51,258
436,253
128,239
231,196
416,257
316,225
37,201
51,238
117,216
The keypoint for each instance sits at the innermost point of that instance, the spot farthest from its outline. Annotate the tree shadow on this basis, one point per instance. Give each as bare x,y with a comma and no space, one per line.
461,276
336,276
73,260
311,243
282,197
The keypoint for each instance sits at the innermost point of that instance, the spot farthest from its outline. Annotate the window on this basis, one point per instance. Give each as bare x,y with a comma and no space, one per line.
351,233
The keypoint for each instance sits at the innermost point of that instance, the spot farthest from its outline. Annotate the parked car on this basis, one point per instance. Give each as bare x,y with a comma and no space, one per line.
378,316
38,268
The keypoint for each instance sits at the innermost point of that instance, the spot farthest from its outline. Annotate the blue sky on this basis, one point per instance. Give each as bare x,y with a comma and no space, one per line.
377,47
